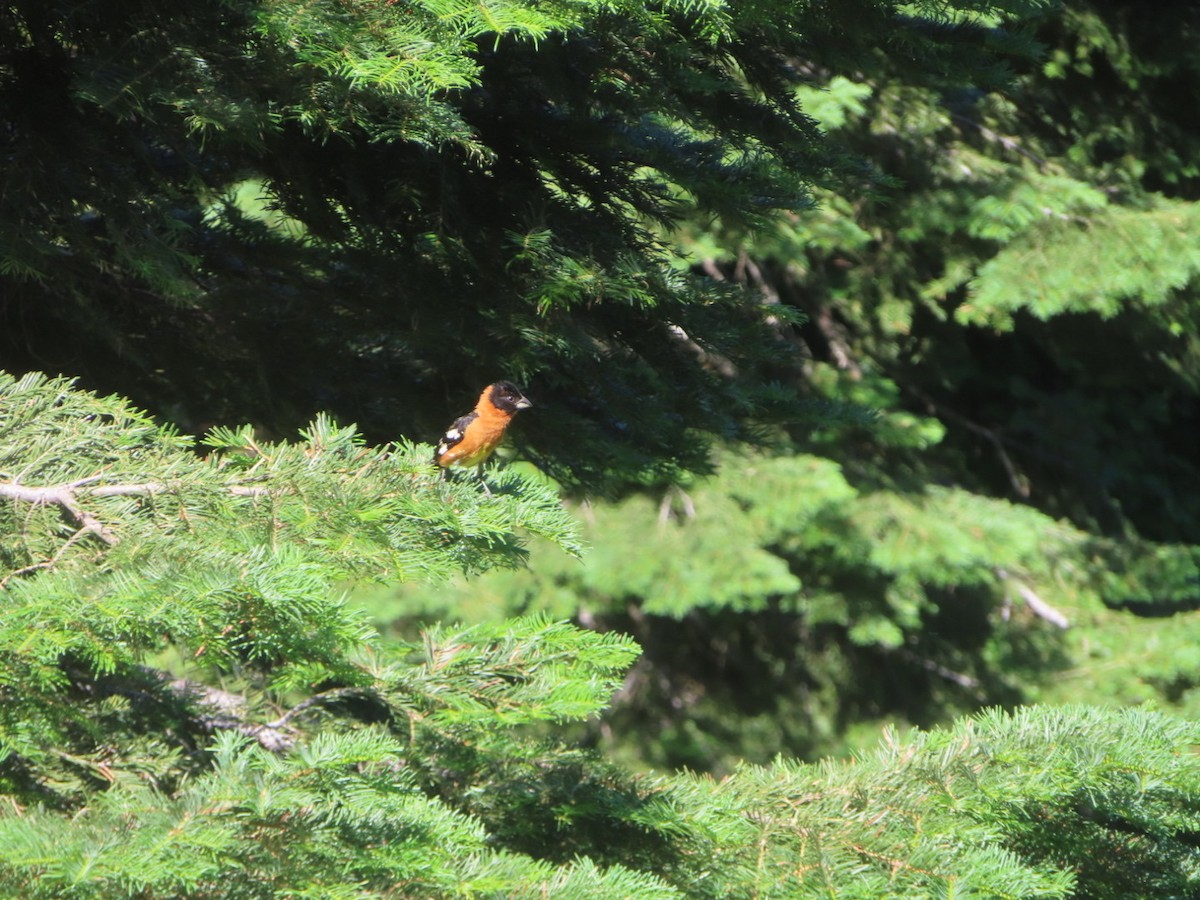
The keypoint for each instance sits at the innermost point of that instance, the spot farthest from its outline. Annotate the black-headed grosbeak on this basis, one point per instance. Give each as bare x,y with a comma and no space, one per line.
473,437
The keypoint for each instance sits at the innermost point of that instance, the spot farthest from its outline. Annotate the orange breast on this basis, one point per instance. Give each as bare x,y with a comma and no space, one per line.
482,437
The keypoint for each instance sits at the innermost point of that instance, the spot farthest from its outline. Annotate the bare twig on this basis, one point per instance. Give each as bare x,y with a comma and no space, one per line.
331,696
154,487
1018,482
707,357
962,679
712,270
1004,141
1036,604
666,507
67,498
839,344
64,498
226,711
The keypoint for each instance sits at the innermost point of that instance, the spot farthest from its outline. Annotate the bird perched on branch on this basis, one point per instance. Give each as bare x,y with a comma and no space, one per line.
473,437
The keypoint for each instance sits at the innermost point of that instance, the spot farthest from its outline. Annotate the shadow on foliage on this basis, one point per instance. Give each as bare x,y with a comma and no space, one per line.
719,686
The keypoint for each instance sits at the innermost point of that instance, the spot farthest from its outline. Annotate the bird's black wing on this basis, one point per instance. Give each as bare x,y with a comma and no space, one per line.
454,434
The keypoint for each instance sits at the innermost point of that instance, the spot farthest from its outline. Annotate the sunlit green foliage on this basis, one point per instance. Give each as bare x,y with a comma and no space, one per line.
932,264
252,211
190,708
1018,304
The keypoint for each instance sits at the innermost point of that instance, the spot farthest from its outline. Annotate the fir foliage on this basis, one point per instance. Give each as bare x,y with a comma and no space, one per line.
253,211
779,606
1017,301
257,210
191,708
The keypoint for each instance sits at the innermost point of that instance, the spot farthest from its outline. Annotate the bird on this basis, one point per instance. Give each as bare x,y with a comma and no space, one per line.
474,437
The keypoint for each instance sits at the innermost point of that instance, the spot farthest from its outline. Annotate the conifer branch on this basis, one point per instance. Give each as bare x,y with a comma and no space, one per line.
67,498
64,497
155,487
325,697
226,710
46,564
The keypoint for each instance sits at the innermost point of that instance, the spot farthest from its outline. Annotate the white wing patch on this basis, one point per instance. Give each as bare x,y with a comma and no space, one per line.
454,434
449,439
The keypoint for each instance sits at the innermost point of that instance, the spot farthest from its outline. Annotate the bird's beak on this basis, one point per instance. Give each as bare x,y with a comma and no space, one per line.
522,403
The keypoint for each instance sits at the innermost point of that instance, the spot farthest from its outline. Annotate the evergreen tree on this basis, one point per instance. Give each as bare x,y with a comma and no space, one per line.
191,709
1016,524
253,211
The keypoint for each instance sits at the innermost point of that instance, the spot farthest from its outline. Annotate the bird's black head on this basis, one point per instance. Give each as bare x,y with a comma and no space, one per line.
507,396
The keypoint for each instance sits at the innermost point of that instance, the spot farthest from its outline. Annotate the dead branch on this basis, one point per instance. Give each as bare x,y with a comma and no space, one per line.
1018,483
962,679
226,711
64,498
1036,604
67,498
